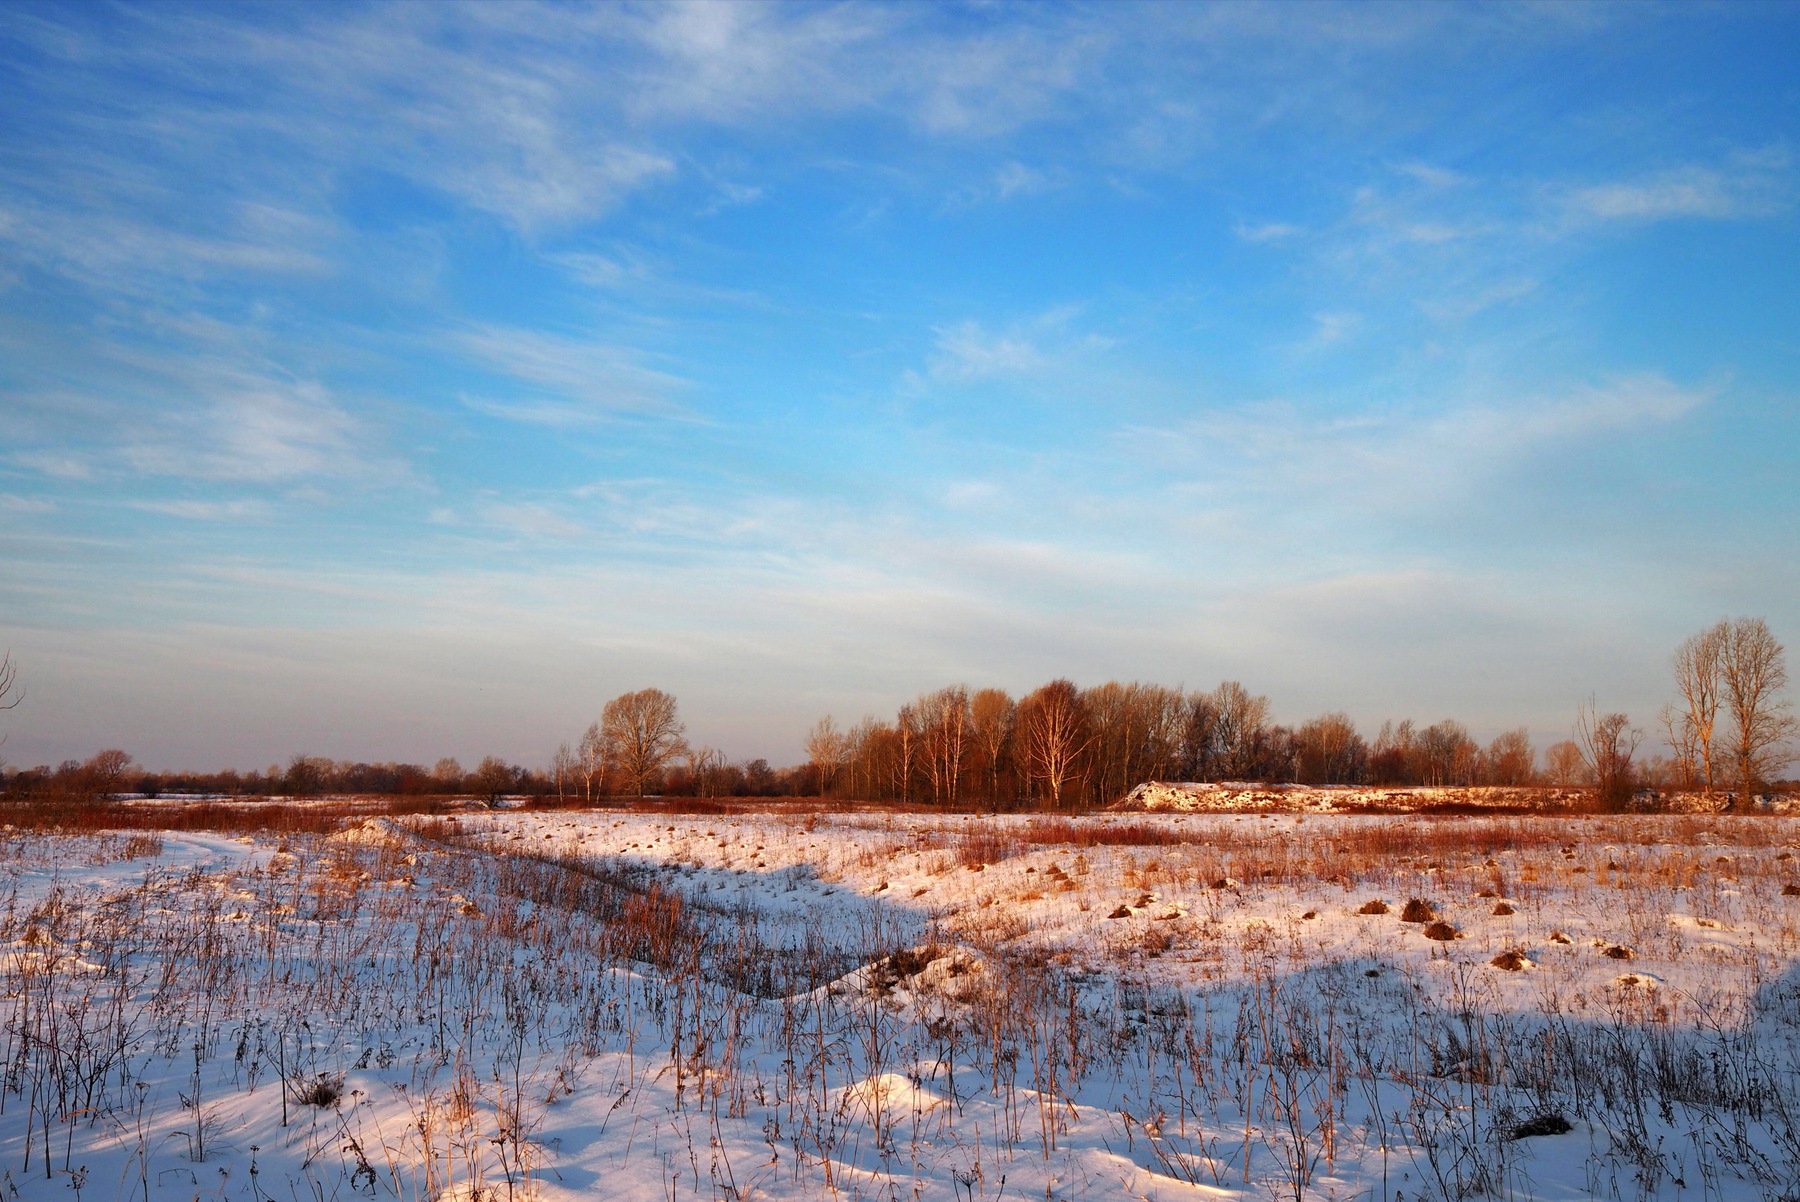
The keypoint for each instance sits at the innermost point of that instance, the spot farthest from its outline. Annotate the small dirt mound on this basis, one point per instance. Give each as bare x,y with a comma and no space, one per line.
1121,912
1373,906
1418,910
1442,931
1546,1123
1615,951
1790,891
1502,910
1511,960
1559,937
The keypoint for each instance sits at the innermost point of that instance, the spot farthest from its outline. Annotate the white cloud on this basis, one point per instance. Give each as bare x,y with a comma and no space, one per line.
253,427
1010,181
1403,458
727,195
1460,305
970,351
578,382
601,271
56,464
135,255
531,519
240,510
14,503
747,62
1332,329
1690,192
1268,231
1432,176
973,495
1016,179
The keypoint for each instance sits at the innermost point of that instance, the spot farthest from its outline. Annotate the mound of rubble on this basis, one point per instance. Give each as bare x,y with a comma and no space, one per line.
1226,796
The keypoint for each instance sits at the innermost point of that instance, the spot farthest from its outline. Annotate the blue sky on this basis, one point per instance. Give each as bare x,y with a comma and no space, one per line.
387,382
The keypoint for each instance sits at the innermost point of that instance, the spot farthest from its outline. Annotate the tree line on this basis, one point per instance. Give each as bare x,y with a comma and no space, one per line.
1061,746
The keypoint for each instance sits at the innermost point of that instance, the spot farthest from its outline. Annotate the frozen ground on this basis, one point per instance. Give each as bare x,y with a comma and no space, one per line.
605,1005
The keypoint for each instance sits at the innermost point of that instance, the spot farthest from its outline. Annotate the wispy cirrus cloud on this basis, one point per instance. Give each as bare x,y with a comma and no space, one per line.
235,510
203,403
1267,231
1407,457
569,381
60,465
1749,185
253,429
1011,181
530,519
134,255
970,350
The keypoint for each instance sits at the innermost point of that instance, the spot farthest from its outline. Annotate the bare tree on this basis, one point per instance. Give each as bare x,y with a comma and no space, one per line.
563,769
1166,715
307,774
105,772
1607,742
991,716
944,725
1394,760
706,765
1684,746
1699,664
590,760
1753,673
643,732
1328,751
1054,729
11,692
1563,763
907,740
827,748
1113,719
1137,734
1510,760
494,778
1446,754
1240,727
871,748
446,774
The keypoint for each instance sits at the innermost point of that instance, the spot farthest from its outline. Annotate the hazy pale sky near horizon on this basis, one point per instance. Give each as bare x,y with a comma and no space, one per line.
395,381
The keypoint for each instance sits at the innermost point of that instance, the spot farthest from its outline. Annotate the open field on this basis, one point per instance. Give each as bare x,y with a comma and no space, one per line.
574,1004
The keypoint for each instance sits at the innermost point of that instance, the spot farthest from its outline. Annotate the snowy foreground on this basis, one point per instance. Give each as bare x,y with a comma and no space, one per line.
559,1005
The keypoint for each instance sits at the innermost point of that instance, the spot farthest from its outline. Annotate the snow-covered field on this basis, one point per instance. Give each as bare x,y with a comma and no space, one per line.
564,1005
